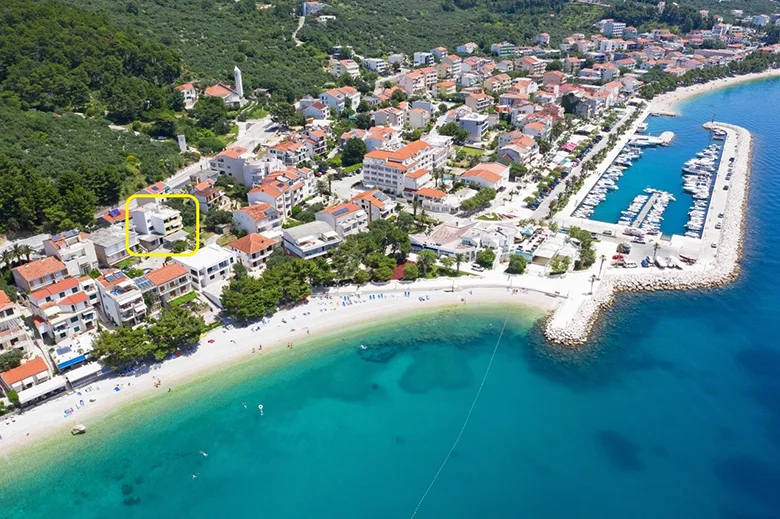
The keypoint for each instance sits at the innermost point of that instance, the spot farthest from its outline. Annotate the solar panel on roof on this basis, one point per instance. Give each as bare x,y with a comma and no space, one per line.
380,196
56,237
114,212
143,283
114,276
341,211
71,233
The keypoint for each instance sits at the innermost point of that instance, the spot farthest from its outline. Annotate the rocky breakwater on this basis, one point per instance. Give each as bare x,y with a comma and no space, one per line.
569,327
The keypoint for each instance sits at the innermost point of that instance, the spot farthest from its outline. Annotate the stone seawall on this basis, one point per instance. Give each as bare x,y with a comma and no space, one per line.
723,269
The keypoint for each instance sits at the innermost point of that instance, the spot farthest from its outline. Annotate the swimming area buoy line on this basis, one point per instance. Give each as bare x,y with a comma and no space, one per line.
465,422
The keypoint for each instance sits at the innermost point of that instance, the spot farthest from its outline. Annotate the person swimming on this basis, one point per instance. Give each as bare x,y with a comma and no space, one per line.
204,454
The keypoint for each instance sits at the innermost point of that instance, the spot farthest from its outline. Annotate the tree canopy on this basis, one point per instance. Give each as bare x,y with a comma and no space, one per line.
53,57
172,330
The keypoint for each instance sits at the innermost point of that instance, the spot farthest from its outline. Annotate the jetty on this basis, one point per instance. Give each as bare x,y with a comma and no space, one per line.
645,209
664,139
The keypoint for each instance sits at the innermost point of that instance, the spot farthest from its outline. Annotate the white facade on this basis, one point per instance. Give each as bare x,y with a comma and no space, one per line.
211,264
74,250
387,169
310,240
120,299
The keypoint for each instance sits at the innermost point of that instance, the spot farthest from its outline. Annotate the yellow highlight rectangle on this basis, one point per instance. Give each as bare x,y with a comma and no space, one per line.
161,254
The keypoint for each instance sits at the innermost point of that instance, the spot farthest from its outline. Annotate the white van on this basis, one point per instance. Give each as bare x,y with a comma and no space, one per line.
630,264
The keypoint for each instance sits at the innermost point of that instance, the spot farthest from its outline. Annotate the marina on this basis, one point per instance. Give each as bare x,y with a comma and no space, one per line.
608,182
698,176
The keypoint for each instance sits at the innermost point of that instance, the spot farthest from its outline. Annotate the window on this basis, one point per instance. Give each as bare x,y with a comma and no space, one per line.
74,319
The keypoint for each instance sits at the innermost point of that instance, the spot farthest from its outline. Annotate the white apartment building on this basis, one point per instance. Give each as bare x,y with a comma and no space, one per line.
375,64
346,219
64,309
310,239
375,203
476,124
13,331
258,217
340,67
252,251
120,298
424,58
210,265
74,249
385,169
166,283
337,98
156,223
614,29
284,189
110,246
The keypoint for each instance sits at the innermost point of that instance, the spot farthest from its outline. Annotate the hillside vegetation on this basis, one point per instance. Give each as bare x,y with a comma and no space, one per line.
213,36
57,166
384,26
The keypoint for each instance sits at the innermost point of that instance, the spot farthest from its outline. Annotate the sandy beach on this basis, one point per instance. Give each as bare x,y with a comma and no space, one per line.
669,103
221,348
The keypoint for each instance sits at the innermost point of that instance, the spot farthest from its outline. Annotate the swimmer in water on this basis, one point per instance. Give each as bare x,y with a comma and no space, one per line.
244,405
194,476
204,454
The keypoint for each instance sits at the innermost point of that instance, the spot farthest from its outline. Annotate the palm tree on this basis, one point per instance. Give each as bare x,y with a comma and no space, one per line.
415,204
601,268
592,280
7,257
26,251
656,246
18,254
458,260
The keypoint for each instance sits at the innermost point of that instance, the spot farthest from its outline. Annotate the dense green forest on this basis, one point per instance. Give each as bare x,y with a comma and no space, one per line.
57,166
56,58
383,26
212,36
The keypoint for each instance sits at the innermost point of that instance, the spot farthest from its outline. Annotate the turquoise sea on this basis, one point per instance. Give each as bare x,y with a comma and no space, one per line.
673,411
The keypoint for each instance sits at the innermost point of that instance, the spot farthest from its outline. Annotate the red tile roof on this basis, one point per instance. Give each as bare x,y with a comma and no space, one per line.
154,189
26,370
370,198
218,90
417,173
74,299
61,286
233,152
351,208
431,193
257,211
39,268
251,243
165,274
113,219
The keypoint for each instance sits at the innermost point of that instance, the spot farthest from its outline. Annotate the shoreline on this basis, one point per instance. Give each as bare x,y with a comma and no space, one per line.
237,347
669,103
723,268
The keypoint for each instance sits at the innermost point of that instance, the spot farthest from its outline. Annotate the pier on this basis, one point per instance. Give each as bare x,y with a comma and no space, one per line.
645,209
648,140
